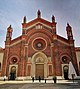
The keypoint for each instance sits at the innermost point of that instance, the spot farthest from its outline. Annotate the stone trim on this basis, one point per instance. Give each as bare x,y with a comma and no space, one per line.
13,43
12,57
39,38
10,69
63,71
63,42
36,24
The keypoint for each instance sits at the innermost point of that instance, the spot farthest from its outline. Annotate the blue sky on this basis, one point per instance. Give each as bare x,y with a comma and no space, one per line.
13,11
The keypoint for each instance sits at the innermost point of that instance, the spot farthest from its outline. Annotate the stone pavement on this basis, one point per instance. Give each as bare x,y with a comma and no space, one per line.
61,84
36,81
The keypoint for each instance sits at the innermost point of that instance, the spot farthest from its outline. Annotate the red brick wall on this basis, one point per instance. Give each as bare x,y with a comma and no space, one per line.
58,50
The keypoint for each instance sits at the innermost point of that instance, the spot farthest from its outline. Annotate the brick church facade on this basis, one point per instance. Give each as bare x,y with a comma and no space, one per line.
39,51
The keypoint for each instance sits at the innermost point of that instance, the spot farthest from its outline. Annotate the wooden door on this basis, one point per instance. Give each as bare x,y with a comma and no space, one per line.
39,71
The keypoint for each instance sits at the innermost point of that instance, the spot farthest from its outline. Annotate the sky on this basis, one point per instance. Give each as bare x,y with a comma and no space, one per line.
13,11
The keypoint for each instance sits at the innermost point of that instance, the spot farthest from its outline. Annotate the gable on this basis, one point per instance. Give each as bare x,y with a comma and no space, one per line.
39,23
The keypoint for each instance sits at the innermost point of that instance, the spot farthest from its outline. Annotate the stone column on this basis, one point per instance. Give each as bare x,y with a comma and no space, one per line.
23,57
26,52
33,69
45,70
53,58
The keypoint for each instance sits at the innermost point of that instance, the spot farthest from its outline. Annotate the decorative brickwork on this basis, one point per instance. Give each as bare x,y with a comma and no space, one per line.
38,46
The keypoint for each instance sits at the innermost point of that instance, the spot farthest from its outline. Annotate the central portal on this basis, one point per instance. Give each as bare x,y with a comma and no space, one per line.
39,71
39,66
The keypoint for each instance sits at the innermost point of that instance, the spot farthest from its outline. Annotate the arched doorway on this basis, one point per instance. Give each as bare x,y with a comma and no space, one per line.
13,73
13,67
65,71
39,71
39,65
65,59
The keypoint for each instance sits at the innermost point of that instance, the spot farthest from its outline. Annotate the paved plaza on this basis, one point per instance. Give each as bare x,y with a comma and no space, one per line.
62,84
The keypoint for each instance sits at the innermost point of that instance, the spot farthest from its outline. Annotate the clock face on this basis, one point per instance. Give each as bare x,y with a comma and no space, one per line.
39,44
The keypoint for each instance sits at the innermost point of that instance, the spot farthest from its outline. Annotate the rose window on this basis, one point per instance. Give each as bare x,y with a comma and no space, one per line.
39,44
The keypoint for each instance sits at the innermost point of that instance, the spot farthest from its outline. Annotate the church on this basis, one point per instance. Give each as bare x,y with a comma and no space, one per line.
39,51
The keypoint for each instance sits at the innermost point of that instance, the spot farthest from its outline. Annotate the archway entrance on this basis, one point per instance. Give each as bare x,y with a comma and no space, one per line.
13,73
39,65
65,70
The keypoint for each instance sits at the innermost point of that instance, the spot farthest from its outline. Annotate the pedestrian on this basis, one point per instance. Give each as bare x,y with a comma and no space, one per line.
39,79
4,77
33,79
45,80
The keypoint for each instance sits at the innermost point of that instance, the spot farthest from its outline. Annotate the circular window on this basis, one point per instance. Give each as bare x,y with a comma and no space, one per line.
39,44
14,60
64,59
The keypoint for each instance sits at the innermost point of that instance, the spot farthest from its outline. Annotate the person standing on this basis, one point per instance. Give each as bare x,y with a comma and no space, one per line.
39,79
4,77
33,79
